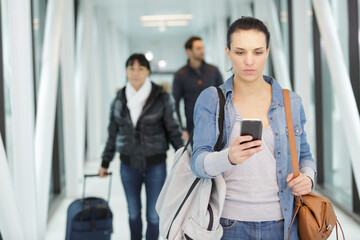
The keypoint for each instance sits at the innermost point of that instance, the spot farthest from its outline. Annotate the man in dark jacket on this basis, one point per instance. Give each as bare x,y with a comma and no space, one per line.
191,79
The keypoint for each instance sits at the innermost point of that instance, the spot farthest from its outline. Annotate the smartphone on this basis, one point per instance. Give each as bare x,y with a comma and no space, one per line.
252,127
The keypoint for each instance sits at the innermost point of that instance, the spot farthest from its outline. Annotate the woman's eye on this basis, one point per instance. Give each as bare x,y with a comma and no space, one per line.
258,53
239,53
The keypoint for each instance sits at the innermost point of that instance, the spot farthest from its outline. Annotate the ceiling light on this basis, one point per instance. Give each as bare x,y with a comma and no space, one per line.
162,65
165,24
162,29
149,55
146,18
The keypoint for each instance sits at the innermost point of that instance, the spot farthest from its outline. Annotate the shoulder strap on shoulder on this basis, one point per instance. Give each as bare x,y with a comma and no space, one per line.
218,145
290,126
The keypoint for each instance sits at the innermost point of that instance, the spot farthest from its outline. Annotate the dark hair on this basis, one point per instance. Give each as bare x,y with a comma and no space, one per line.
189,42
140,58
248,23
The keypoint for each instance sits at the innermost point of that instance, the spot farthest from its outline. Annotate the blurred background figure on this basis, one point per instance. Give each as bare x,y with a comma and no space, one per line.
191,79
142,124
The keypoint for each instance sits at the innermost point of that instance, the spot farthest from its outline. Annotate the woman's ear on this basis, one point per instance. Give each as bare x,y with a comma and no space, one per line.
227,52
268,50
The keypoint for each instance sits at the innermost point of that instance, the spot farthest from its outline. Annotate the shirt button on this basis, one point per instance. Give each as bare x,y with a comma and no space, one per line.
285,209
228,126
281,191
276,134
280,171
271,118
279,153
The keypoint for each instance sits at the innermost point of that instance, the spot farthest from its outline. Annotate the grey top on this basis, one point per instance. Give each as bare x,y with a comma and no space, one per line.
252,187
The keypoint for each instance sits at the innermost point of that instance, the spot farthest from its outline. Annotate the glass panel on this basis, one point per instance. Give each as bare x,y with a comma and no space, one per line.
284,26
311,121
61,157
58,169
337,167
337,164
38,22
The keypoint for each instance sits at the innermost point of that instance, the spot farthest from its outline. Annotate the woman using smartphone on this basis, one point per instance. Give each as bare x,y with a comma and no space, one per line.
260,193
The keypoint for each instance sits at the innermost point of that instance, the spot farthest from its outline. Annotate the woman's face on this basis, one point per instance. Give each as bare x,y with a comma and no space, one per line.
248,54
137,74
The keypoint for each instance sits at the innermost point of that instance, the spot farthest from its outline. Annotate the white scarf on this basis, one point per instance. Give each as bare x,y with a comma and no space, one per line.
136,99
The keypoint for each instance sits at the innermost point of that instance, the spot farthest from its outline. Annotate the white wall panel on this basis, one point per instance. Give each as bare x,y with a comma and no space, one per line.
83,55
46,109
95,82
72,172
11,226
22,103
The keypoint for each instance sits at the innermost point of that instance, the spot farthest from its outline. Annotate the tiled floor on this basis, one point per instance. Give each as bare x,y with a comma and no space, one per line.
98,187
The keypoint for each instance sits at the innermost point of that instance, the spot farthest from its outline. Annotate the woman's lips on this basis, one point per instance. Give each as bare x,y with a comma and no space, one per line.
249,71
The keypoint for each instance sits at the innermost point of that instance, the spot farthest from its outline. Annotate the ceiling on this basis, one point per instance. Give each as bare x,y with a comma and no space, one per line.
126,14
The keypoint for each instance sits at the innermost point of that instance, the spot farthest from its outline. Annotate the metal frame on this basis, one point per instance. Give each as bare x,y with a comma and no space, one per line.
354,62
318,103
55,156
291,45
2,94
33,54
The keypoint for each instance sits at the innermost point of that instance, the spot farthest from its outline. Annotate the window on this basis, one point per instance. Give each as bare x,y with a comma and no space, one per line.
335,173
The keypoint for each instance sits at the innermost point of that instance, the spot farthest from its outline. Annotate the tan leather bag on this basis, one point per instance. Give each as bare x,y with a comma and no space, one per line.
316,216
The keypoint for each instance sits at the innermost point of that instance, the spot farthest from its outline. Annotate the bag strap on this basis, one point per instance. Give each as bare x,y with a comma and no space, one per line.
290,126
293,152
342,232
294,157
217,147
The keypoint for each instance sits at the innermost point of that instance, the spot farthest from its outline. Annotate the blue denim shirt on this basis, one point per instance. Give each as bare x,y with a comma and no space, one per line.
206,132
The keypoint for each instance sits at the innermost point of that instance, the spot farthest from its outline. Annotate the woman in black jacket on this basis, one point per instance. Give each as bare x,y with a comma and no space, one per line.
142,124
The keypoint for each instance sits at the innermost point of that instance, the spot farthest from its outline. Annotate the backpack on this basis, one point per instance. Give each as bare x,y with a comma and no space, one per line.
191,207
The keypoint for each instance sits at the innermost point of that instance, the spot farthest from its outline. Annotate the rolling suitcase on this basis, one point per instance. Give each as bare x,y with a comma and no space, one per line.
89,218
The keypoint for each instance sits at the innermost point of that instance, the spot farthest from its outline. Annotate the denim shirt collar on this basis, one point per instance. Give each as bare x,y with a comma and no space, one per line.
277,96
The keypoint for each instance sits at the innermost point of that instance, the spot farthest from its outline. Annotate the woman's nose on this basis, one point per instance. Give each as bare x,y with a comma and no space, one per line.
249,59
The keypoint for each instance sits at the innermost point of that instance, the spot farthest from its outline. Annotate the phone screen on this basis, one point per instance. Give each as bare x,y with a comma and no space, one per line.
252,127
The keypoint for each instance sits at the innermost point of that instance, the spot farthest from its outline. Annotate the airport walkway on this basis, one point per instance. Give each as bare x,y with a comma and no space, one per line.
98,187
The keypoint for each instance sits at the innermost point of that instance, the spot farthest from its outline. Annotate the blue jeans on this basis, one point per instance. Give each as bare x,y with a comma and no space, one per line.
271,230
132,180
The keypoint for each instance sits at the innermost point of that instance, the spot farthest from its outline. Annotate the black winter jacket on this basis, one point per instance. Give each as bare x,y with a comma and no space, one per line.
146,143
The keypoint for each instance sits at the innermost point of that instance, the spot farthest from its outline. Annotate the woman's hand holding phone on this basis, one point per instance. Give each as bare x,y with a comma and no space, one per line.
242,148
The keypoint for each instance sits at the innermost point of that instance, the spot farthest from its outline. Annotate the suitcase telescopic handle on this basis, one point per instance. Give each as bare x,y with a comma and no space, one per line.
97,175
